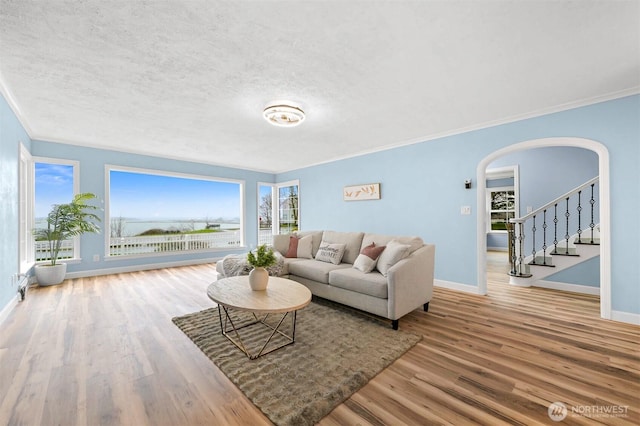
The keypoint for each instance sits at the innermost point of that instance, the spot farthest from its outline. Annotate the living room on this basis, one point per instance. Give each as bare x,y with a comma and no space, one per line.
422,175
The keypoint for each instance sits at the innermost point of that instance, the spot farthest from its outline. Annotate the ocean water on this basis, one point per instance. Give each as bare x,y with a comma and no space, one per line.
134,227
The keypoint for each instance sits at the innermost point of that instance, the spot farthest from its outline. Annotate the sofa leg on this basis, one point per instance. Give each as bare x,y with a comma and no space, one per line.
394,324
426,307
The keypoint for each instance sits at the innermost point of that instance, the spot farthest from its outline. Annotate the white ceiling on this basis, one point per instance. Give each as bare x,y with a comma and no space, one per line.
189,79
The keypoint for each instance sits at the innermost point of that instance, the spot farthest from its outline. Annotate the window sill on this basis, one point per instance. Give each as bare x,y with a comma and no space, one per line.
67,261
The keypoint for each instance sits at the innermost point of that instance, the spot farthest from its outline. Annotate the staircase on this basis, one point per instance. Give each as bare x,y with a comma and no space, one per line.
556,235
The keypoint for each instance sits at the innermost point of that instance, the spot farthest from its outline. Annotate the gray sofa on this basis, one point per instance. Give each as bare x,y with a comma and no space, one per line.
401,283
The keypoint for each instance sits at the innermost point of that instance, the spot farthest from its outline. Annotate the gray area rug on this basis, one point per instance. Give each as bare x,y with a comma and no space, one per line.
336,352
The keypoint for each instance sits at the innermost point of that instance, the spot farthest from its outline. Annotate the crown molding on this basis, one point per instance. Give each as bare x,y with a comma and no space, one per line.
479,126
11,101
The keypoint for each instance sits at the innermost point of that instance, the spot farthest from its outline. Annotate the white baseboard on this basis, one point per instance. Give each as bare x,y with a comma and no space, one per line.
627,317
134,268
575,288
504,249
457,286
4,313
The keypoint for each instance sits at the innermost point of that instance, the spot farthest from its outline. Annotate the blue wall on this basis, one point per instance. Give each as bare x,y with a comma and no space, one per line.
545,174
11,135
422,189
586,273
92,179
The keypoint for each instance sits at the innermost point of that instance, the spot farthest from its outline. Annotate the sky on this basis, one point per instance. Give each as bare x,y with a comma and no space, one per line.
265,190
147,196
143,196
54,185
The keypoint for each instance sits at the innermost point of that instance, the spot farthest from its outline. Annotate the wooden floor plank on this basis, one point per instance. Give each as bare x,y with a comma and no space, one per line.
103,350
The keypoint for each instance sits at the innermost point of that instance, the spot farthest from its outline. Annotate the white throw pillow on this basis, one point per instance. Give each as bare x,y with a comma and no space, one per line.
330,253
368,258
304,247
364,263
300,247
391,255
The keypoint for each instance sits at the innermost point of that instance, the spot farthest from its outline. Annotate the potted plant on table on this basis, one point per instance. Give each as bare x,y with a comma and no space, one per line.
64,222
263,258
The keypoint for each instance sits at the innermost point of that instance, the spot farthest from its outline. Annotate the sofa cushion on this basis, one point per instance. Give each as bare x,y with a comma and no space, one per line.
281,241
316,237
314,270
331,253
373,284
300,246
288,261
391,255
368,258
380,239
351,240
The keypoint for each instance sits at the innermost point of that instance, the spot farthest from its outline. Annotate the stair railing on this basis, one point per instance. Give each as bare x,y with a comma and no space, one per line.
517,234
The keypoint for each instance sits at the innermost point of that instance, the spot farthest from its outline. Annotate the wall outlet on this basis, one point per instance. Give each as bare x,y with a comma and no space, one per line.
529,209
466,210
96,258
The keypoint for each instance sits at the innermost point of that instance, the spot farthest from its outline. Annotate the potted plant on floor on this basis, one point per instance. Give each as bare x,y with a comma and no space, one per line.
64,222
262,259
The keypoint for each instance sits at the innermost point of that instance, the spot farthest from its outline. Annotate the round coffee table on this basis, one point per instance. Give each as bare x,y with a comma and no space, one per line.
282,296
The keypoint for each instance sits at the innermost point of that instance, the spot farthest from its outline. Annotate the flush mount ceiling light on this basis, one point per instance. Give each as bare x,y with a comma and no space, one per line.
283,114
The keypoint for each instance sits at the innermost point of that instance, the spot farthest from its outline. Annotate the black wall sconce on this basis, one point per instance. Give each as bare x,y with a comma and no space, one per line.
467,183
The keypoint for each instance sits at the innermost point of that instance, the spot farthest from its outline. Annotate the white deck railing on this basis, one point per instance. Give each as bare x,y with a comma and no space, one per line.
42,250
129,246
265,236
125,246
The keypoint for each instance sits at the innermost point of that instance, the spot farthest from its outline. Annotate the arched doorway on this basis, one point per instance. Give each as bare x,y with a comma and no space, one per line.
605,245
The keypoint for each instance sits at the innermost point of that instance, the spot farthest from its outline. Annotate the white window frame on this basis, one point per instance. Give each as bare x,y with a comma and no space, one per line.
76,190
489,199
26,242
276,203
502,173
274,192
107,206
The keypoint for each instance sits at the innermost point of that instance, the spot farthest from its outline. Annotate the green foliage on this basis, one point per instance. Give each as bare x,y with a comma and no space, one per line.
158,231
66,221
204,231
155,231
263,258
498,226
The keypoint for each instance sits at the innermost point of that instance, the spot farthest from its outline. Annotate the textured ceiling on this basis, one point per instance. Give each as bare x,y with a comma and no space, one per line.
189,79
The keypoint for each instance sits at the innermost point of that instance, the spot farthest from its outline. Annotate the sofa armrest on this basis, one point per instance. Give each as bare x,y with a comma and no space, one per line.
280,243
410,281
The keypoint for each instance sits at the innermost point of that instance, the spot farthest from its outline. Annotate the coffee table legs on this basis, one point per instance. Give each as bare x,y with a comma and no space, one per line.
232,332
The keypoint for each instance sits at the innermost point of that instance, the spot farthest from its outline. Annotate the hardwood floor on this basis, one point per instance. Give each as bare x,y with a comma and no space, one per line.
103,351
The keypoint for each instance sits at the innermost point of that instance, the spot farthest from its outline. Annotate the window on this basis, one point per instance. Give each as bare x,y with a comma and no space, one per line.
56,182
152,212
266,214
502,197
502,204
278,209
288,217
26,243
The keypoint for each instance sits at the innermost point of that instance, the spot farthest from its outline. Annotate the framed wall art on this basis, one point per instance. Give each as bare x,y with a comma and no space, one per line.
367,191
